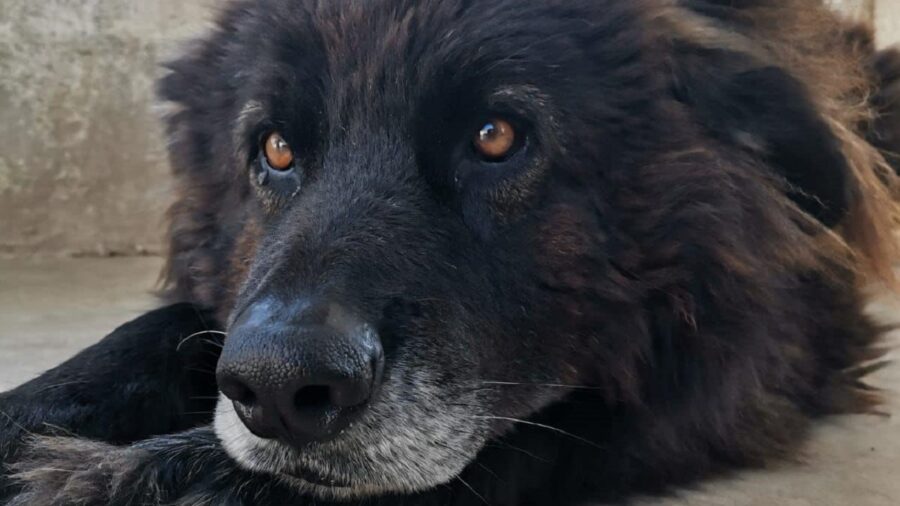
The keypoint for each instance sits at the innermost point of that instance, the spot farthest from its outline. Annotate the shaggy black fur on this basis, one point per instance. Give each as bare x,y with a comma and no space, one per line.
661,284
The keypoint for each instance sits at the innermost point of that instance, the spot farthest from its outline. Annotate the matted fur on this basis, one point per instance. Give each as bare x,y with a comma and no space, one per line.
666,285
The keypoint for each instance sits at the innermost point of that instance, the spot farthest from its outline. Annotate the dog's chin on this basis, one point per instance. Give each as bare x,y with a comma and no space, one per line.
343,469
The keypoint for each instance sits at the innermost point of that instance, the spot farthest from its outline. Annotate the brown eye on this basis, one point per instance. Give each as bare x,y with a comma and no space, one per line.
278,152
495,140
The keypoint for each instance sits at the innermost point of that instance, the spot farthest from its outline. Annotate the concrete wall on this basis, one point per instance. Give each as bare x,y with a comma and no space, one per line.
886,14
887,21
82,162
857,9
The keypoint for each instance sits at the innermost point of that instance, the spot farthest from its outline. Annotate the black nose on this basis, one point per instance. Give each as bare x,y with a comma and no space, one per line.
299,375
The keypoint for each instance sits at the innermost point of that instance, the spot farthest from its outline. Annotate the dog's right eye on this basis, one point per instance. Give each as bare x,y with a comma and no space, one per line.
496,140
278,152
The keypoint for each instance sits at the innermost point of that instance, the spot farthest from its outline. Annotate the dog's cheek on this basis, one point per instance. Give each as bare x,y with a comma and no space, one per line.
574,265
568,244
569,255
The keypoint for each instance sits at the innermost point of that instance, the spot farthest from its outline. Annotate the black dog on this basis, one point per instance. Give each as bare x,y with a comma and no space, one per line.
516,253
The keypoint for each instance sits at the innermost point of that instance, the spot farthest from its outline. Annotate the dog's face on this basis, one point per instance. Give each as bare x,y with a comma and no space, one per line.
441,210
419,170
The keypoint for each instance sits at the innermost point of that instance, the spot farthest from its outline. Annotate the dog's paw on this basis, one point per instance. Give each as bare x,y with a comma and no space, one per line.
188,468
64,471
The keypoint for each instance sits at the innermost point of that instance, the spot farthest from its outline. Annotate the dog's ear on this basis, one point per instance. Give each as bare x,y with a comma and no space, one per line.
769,114
197,99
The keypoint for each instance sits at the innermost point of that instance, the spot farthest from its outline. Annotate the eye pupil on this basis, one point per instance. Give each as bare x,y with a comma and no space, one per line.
278,152
495,140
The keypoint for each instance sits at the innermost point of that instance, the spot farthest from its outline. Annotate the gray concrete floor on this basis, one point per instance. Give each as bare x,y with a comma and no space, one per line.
49,309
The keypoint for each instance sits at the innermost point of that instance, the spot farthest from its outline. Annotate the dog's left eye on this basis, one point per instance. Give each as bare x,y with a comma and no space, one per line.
277,165
496,140
278,152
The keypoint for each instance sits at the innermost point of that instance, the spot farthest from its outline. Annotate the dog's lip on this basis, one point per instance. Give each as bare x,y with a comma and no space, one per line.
317,478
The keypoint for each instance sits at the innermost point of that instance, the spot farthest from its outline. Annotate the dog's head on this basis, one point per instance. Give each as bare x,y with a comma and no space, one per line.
422,217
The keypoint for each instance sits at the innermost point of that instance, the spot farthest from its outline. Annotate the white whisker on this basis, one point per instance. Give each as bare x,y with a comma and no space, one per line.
547,385
541,426
472,490
195,334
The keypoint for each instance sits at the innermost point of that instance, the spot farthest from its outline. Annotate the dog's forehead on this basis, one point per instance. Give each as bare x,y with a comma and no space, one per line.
387,48
369,45
377,32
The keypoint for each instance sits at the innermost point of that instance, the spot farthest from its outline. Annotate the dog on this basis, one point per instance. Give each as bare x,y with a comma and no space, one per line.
460,252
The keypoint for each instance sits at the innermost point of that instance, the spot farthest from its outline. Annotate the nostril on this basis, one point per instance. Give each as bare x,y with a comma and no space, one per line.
237,391
313,396
246,397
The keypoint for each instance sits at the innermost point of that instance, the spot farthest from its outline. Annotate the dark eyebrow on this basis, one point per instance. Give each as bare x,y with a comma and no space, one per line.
248,120
250,115
524,99
528,101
